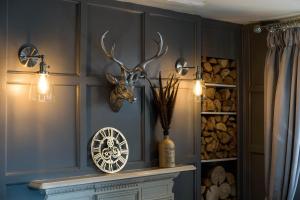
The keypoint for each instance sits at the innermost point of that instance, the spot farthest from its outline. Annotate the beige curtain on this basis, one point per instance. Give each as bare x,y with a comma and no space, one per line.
282,114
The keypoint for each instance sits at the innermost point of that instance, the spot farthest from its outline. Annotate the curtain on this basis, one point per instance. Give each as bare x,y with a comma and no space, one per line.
282,114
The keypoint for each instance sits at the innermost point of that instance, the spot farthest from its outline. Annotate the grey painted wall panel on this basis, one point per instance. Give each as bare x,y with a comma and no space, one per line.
258,53
53,32
128,120
257,177
40,136
17,192
257,118
181,189
255,46
220,39
183,126
125,28
180,36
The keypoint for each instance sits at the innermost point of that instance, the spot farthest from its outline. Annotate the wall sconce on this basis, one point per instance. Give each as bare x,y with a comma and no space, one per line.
182,69
40,89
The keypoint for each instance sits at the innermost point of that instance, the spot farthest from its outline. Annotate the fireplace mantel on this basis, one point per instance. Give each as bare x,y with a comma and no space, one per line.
151,183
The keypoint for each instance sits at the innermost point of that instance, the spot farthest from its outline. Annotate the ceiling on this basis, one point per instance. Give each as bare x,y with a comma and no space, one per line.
236,11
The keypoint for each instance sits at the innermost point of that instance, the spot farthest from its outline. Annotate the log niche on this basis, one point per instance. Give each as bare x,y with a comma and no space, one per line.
219,184
219,137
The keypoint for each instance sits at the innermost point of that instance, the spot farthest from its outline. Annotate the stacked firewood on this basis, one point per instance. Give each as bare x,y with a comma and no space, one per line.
218,185
218,137
222,71
219,100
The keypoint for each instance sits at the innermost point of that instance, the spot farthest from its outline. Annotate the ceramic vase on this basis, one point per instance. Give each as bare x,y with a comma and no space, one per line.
166,152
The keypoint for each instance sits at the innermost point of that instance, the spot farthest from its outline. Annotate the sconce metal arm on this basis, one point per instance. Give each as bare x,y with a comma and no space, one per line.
198,73
181,66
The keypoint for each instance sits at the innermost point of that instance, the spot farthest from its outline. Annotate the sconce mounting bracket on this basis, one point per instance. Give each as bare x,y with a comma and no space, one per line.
181,66
28,55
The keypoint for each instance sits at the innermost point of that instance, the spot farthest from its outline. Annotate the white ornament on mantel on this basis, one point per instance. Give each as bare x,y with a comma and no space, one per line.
109,149
141,184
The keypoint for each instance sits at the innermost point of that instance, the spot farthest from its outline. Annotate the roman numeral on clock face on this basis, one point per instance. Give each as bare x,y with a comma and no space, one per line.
97,140
110,133
97,157
118,166
102,134
110,167
96,150
103,165
122,143
121,159
117,135
124,151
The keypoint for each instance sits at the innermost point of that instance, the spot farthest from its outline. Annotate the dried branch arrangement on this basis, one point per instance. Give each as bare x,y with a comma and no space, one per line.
164,98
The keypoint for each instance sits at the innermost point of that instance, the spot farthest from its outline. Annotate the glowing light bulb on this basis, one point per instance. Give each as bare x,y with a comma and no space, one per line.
198,88
41,88
43,84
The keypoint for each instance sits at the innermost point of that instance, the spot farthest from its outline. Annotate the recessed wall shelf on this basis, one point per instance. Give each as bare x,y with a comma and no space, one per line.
219,124
218,113
219,160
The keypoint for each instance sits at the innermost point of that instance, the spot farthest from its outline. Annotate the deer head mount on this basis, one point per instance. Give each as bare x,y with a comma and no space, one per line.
124,83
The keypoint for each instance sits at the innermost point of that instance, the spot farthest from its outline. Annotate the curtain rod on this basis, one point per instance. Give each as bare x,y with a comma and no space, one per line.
283,24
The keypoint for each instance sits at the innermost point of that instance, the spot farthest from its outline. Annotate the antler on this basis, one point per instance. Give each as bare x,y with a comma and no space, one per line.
160,52
111,54
132,74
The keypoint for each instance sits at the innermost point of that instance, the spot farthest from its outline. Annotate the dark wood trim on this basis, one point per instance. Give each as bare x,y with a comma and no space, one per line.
197,111
245,85
250,88
258,149
83,85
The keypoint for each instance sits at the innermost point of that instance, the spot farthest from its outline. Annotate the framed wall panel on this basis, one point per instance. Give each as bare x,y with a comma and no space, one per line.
17,191
183,190
125,30
129,120
258,52
40,136
220,39
183,126
254,51
257,119
180,37
53,33
257,176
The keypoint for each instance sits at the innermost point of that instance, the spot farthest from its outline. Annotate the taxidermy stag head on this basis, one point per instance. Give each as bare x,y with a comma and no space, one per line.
124,83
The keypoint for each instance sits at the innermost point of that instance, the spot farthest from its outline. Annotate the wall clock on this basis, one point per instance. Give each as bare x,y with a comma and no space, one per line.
109,150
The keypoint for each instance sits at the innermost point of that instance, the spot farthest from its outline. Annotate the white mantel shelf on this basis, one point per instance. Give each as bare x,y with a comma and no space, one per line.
95,178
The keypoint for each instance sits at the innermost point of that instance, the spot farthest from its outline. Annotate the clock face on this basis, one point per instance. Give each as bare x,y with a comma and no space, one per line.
109,150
